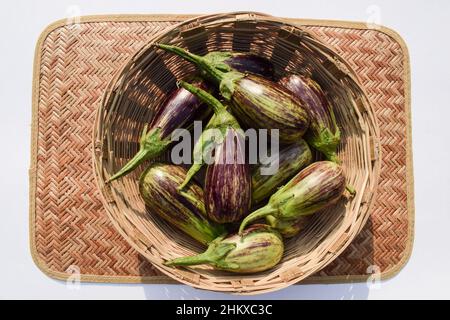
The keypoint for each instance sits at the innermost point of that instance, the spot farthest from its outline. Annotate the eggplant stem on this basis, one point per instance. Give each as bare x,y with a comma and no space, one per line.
207,98
199,61
350,189
189,261
143,134
190,174
332,156
258,214
150,145
337,132
215,252
130,165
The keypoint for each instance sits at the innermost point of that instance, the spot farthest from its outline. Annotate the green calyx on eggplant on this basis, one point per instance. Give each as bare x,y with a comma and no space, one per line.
228,179
290,160
323,133
158,186
180,108
316,187
259,248
257,101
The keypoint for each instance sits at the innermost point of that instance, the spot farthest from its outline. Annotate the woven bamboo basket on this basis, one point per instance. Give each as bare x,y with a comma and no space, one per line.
142,85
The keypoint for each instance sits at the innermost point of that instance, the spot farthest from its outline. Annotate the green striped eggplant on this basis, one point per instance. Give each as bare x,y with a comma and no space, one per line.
323,133
180,108
158,186
290,160
256,101
259,248
288,228
316,187
228,179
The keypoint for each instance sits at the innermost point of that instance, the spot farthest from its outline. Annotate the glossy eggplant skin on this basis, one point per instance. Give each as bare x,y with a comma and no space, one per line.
291,159
179,109
258,249
228,180
256,101
250,63
316,187
263,104
158,187
323,133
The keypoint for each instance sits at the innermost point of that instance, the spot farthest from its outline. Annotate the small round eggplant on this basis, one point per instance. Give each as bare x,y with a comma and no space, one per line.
258,102
290,160
316,187
323,133
158,187
259,248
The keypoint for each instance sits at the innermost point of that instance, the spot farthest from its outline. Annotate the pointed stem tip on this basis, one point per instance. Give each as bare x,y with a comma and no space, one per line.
131,165
350,189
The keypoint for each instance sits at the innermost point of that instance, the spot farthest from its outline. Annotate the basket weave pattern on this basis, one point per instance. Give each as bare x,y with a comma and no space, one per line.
70,225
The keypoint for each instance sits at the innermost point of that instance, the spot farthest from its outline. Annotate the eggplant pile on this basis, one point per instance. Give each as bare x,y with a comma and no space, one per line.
238,209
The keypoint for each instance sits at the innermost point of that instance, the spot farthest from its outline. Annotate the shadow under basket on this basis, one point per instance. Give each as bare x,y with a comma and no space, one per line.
151,74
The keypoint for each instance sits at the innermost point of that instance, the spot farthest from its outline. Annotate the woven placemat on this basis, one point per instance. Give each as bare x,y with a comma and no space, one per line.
69,229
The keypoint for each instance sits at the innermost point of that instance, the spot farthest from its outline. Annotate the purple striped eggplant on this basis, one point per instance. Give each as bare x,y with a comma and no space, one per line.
323,133
158,186
228,179
243,62
316,187
259,248
256,101
179,109
289,160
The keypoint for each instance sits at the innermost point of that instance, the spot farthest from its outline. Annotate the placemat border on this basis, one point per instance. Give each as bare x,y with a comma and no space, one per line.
387,274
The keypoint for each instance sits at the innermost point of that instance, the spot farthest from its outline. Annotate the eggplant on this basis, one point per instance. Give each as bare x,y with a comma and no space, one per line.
228,183
290,160
323,133
243,62
259,248
228,179
158,187
180,108
256,101
316,187
288,228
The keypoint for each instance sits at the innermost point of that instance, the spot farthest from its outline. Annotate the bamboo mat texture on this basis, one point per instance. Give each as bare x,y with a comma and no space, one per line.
69,228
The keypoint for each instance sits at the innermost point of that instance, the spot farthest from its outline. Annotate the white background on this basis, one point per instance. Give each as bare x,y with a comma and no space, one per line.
423,25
